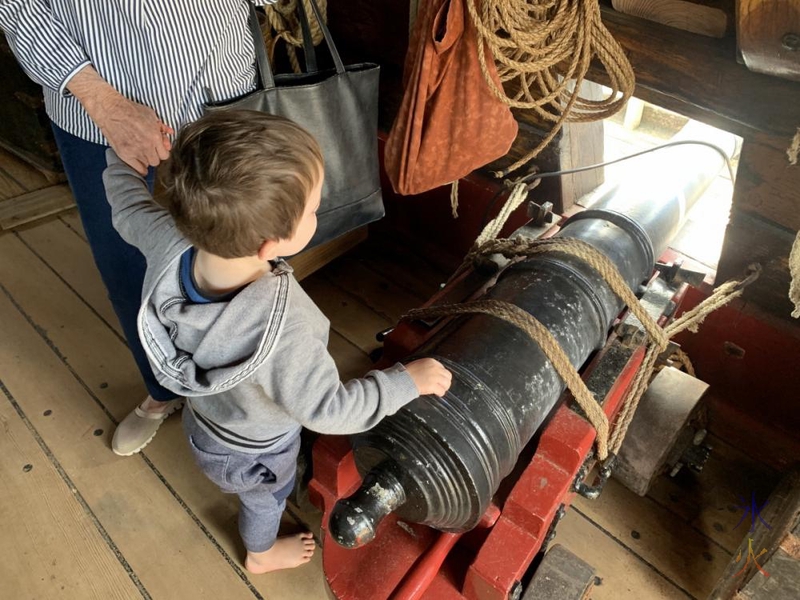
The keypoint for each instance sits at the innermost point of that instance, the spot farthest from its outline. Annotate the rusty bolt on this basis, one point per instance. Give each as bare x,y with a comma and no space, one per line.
791,41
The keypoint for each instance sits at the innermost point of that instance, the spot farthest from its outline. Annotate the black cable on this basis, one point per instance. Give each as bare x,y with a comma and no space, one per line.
535,176
616,160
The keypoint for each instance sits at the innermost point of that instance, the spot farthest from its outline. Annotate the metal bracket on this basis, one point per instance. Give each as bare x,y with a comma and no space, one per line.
592,492
540,214
695,456
676,274
657,301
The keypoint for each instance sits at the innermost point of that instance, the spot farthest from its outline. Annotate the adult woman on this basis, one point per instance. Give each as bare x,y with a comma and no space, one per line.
127,74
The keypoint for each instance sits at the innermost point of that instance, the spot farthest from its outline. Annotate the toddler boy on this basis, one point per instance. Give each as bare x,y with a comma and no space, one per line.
225,324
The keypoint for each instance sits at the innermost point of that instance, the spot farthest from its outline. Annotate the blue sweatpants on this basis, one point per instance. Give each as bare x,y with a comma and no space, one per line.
262,481
121,265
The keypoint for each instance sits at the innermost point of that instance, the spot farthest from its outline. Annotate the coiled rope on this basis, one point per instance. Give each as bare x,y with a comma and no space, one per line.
543,50
283,24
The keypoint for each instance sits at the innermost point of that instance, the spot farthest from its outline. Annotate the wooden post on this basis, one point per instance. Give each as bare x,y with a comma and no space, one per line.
764,221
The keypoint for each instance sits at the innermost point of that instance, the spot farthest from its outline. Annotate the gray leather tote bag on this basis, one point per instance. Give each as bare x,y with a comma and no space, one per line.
339,107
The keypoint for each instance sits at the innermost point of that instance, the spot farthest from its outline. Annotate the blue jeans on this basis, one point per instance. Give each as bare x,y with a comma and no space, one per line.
121,265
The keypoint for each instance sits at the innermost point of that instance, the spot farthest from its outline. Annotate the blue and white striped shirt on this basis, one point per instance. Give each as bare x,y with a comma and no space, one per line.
160,53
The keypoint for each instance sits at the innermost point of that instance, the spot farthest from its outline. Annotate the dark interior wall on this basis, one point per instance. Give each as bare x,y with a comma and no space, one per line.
368,31
24,126
378,32
752,369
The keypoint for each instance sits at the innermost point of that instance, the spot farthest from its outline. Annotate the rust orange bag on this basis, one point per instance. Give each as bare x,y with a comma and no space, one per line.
449,122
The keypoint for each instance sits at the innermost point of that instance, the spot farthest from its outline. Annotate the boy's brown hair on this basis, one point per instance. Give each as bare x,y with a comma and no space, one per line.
237,178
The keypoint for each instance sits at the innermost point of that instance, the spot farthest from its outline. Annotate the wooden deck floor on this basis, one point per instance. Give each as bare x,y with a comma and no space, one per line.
79,522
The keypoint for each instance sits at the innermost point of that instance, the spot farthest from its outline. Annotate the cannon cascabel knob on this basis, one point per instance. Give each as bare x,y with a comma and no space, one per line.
354,520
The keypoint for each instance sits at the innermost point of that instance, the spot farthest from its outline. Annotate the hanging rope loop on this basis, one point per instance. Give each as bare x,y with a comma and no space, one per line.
283,24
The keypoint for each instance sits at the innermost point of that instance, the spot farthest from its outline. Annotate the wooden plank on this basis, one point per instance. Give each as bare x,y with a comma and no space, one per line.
71,258
50,546
26,177
709,501
200,531
9,186
72,219
88,344
770,523
35,205
396,260
763,223
351,361
219,514
375,291
700,78
751,239
783,582
768,34
680,14
146,523
621,573
306,263
562,575
766,184
348,315
582,144
658,536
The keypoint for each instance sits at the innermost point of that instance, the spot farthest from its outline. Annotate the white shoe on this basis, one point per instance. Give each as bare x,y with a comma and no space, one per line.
139,427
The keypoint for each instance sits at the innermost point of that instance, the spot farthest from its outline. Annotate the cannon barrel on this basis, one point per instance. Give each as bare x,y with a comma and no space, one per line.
439,461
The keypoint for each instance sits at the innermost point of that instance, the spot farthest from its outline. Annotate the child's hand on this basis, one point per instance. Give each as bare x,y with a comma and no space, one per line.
430,376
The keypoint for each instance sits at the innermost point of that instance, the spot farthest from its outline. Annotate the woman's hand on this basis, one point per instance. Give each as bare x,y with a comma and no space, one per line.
133,130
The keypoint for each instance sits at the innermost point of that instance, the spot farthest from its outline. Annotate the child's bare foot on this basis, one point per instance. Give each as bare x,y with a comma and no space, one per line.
288,552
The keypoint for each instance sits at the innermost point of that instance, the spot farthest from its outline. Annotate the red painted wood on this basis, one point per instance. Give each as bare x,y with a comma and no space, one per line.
544,485
412,552
754,376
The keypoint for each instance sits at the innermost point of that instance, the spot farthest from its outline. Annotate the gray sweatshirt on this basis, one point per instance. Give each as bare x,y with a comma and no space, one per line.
255,368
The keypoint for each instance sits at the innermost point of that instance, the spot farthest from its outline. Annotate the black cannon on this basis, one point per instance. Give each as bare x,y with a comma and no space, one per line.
439,461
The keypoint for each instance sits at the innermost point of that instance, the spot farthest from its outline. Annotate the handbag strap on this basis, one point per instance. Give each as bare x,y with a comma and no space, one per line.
337,60
309,53
265,76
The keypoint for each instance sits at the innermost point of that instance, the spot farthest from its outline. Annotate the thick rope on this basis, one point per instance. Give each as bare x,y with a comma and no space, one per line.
794,274
543,50
544,339
495,226
659,338
283,24
681,358
454,199
794,148
690,320
511,248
